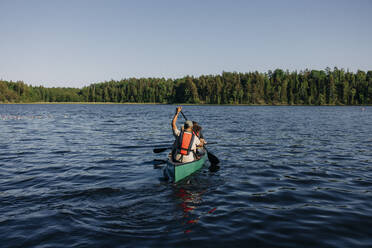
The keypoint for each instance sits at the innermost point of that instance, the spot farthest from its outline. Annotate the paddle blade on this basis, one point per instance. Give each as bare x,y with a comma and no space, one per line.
159,150
214,168
212,158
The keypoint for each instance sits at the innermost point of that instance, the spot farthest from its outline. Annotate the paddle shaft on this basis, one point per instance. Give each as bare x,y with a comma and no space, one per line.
183,115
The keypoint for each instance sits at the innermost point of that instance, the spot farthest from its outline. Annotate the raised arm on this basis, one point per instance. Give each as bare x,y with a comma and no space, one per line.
178,110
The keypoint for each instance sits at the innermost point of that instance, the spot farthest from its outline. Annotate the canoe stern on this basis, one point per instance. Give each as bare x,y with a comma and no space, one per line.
178,171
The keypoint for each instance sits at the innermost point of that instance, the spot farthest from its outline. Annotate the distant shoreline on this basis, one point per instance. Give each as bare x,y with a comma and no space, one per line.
278,87
69,103
184,104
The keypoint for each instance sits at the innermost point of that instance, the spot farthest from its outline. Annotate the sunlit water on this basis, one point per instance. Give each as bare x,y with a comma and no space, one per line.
83,176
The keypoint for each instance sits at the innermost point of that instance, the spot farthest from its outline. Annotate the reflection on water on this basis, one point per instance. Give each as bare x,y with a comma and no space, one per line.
191,199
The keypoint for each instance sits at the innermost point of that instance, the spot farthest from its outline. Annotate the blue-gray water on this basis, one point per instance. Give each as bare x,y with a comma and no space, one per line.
83,176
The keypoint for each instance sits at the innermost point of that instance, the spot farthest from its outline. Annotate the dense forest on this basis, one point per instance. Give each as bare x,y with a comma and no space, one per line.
309,87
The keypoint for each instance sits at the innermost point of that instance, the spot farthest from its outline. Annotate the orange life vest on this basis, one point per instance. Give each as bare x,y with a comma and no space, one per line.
184,142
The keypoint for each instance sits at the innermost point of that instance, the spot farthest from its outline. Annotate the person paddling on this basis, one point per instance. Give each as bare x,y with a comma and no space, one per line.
184,149
197,129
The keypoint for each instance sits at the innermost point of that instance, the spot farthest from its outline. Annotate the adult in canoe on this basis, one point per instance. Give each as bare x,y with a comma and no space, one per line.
184,149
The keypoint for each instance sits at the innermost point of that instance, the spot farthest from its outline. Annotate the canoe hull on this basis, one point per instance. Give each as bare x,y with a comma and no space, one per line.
178,171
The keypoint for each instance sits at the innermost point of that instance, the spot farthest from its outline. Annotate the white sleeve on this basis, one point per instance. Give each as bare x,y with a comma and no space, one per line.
176,132
196,141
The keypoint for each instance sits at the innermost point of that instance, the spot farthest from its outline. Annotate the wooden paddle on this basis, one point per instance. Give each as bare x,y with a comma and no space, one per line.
212,158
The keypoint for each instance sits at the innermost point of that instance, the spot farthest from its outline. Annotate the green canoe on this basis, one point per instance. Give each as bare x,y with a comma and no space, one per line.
176,171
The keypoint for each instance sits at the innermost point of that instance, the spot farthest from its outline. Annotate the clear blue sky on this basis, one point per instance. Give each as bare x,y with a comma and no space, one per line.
74,43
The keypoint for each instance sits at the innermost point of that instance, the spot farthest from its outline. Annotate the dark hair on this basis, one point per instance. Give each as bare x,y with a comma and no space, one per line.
196,128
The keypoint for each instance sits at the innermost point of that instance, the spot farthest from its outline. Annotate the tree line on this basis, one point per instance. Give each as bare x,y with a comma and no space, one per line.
309,87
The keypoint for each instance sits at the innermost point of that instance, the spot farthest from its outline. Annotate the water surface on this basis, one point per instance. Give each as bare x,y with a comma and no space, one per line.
83,176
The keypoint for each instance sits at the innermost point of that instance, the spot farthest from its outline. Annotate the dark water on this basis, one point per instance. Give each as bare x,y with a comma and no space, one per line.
83,176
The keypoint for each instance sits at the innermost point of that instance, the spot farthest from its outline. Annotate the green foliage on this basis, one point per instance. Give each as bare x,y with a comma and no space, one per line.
313,87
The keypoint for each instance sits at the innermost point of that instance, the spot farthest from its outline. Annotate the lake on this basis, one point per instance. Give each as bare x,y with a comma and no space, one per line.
86,176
